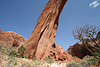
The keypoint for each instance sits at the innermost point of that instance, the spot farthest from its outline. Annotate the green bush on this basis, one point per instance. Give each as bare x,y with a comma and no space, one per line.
83,62
19,54
15,63
25,57
13,53
92,61
34,58
21,51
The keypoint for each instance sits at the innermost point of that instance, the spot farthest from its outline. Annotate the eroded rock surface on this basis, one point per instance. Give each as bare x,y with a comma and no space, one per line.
41,41
43,35
57,53
10,38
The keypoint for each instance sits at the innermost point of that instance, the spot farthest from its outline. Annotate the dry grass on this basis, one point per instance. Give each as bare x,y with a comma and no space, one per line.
11,61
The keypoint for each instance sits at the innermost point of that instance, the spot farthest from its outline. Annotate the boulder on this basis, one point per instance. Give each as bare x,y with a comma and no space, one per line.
79,50
10,38
58,54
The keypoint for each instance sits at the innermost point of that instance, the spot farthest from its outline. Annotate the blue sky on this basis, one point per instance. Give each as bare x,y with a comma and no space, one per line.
21,17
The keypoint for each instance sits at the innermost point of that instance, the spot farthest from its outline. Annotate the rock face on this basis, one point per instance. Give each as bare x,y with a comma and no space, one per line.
40,42
79,50
11,39
57,53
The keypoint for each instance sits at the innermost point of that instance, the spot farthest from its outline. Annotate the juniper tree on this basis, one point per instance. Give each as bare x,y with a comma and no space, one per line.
87,34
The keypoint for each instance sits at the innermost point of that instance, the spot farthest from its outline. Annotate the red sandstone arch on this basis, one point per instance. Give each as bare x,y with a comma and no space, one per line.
42,38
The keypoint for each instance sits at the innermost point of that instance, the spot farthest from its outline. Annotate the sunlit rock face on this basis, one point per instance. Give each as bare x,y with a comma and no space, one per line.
42,38
10,38
41,41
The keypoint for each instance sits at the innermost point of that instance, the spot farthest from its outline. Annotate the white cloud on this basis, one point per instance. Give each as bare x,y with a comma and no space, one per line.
94,4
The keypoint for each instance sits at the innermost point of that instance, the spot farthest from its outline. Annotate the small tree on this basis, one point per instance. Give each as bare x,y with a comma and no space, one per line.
87,35
21,51
13,53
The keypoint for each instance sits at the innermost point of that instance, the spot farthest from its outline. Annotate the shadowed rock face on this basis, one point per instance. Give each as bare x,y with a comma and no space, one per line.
10,38
79,50
42,38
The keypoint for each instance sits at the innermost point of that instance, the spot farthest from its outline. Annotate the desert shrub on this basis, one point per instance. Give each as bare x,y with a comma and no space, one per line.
92,61
10,61
96,52
78,64
7,49
21,51
25,57
49,60
36,61
34,58
83,62
72,65
11,58
13,53
15,63
87,62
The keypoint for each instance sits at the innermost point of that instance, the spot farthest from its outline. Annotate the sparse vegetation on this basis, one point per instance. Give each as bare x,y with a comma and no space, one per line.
21,51
7,49
97,53
13,61
49,60
19,54
87,62
13,53
34,58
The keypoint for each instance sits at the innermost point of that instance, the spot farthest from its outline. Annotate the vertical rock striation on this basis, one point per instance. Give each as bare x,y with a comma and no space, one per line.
42,38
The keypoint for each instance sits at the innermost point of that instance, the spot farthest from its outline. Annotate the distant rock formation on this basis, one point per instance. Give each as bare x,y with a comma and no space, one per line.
79,50
11,39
